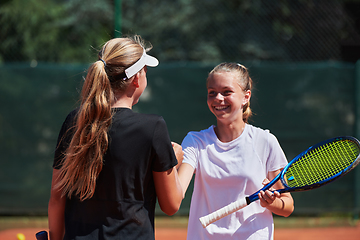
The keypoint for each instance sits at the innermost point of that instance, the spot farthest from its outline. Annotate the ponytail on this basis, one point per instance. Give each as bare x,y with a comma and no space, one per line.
247,112
84,157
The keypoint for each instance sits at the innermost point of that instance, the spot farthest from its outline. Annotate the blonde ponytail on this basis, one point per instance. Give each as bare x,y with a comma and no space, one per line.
83,160
84,157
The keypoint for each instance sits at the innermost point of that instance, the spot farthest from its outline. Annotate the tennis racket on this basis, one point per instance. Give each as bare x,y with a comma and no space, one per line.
42,235
313,168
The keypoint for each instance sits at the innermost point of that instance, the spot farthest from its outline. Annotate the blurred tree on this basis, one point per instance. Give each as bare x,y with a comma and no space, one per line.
180,30
232,30
53,31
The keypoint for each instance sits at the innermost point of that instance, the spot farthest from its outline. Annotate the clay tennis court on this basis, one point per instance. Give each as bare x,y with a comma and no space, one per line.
335,233
179,233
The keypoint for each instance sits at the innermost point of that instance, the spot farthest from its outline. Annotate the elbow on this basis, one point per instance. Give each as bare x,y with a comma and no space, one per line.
170,213
170,210
290,211
171,207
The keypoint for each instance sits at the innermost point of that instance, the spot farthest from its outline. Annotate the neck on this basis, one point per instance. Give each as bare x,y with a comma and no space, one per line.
122,102
229,132
125,99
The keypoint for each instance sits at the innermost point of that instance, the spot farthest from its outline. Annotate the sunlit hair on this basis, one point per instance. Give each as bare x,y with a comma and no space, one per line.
243,78
83,159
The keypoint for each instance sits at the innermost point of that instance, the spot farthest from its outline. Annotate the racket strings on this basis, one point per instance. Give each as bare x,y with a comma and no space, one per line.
322,163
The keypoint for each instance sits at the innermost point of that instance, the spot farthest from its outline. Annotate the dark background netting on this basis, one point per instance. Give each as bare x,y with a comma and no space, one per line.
301,104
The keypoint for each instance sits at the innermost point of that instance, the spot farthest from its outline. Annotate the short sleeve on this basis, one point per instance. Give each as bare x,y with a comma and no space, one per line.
64,138
276,156
190,150
164,153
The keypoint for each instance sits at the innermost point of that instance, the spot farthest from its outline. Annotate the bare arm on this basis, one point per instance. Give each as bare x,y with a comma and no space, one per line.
178,153
280,204
168,190
186,172
56,211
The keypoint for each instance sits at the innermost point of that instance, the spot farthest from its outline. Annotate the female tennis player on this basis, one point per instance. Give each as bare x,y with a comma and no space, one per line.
231,161
110,162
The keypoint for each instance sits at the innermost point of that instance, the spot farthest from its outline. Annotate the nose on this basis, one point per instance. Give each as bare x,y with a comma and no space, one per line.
219,97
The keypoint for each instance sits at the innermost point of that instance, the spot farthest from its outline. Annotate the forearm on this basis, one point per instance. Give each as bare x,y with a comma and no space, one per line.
168,190
186,172
56,210
282,206
279,204
56,220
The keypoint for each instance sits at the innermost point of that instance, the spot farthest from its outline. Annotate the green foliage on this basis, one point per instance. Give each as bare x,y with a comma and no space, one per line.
46,30
181,30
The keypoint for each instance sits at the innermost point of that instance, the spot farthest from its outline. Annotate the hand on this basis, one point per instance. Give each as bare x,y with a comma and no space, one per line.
267,197
178,153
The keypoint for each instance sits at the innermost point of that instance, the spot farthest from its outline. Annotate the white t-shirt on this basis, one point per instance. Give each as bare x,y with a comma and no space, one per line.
226,172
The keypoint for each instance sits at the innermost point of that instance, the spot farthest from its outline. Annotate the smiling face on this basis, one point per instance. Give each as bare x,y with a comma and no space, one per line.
225,97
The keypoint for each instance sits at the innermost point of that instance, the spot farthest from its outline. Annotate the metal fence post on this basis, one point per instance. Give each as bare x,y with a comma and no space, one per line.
357,133
117,19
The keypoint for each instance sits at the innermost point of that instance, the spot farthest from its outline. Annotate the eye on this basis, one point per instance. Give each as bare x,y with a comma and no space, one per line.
227,92
211,93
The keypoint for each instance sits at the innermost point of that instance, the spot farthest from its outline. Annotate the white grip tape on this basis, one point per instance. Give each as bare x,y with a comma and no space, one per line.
222,212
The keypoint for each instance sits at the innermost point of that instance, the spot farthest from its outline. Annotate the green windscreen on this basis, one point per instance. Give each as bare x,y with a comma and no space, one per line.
301,104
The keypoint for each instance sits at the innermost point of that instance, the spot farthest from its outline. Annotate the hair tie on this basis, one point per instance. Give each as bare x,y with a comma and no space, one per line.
242,66
103,62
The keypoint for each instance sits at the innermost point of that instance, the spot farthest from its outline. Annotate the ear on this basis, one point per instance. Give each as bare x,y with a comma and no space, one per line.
135,81
246,97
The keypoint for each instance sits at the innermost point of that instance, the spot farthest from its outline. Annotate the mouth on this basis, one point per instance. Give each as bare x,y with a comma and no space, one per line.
220,108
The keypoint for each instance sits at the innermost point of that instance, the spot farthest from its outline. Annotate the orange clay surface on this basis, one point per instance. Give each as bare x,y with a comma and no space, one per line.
174,228
333,233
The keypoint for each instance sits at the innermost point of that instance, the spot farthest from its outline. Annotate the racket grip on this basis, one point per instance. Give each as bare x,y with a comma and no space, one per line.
223,212
42,235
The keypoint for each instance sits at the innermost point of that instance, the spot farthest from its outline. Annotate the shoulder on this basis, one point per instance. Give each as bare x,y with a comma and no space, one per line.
261,136
135,117
154,120
72,115
70,119
149,117
153,117
198,137
205,133
257,132
151,124
202,133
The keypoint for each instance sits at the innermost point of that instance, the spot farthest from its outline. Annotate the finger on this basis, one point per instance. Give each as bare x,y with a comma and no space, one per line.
269,196
265,181
261,196
277,194
264,196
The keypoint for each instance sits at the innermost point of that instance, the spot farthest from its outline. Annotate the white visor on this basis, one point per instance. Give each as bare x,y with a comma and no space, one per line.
145,60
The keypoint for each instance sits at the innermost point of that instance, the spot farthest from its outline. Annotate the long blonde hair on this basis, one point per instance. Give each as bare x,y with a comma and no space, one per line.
83,159
244,81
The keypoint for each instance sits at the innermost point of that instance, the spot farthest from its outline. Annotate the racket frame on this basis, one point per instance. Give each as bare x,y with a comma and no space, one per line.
237,205
282,174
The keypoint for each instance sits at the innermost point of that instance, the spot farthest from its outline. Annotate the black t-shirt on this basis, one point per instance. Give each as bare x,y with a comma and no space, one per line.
123,204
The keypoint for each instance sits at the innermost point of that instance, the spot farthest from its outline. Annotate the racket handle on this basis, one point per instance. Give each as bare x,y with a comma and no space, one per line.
223,212
42,235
